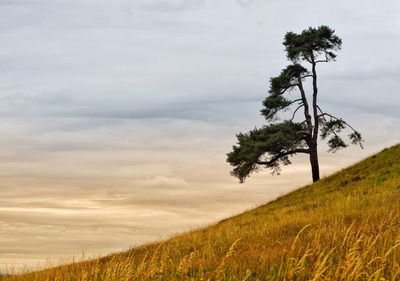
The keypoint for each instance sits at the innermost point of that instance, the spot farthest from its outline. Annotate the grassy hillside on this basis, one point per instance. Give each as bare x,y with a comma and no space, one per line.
344,227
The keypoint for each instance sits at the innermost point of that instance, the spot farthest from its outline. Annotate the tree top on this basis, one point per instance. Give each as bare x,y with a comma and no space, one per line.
311,43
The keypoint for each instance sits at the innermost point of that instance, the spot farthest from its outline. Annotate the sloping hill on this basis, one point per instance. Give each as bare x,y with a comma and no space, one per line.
344,227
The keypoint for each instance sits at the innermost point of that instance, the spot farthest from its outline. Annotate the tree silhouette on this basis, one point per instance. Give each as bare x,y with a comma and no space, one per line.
273,144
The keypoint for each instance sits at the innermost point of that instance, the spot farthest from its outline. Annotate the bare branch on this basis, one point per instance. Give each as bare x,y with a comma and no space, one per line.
294,113
322,113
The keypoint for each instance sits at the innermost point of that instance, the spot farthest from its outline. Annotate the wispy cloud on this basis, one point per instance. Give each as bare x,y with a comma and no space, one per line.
116,117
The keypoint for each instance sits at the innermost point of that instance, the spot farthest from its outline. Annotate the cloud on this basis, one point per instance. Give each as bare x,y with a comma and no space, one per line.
171,6
118,115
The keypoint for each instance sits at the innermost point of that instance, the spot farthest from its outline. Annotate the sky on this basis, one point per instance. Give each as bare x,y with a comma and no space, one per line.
116,116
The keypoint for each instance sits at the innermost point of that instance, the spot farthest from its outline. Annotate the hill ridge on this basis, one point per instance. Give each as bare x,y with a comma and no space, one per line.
344,227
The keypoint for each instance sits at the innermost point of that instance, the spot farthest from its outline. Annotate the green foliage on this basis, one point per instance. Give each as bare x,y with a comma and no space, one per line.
356,138
335,143
331,127
286,79
311,43
272,105
334,126
274,139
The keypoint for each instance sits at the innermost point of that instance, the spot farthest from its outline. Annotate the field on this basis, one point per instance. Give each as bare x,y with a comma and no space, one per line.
344,227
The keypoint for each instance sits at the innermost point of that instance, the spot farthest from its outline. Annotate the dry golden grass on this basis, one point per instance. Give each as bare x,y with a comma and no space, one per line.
344,227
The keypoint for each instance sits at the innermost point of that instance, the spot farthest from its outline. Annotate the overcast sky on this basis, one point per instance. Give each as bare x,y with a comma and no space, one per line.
115,116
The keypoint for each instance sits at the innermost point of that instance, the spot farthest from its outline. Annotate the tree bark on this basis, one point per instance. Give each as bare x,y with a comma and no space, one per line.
314,162
314,103
314,140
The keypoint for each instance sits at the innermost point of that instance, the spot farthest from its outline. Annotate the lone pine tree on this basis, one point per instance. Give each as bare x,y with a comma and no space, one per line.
273,144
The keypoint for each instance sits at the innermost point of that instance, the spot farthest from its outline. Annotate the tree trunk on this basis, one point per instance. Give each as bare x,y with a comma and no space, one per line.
314,139
314,163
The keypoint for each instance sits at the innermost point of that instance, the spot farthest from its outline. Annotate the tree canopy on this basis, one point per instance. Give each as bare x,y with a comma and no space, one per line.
272,145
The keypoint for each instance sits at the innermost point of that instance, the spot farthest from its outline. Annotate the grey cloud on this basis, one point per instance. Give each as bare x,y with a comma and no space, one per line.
119,114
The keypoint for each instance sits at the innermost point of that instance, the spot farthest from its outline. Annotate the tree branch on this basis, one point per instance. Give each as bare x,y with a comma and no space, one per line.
282,154
287,88
294,113
306,108
323,116
305,133
293,102
276,110
325,60
334,117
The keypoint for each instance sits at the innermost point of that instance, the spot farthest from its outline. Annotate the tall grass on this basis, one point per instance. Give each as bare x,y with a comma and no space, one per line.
344,227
